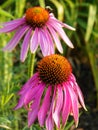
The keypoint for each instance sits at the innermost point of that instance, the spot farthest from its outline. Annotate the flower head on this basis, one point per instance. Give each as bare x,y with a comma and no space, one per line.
39,27
52,93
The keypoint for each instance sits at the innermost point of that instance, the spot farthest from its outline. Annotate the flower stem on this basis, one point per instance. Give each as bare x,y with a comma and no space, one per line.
31,65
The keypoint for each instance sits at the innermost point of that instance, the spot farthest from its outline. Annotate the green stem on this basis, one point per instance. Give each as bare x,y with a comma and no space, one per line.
16,115
31,65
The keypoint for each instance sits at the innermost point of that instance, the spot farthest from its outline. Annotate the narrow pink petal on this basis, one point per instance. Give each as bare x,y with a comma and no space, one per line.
10,26
66,105
58,107
80,96
49,119
68,27
74,103
45,107
25,45
79,92
34,41
20,103
43,42
31,82
32,93
20,20
55,37
50,42
53,19
61,32
14,41
49,122
32,115
25,90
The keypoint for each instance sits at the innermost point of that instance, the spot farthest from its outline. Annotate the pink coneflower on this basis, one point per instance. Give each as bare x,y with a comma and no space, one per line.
52,93
39,27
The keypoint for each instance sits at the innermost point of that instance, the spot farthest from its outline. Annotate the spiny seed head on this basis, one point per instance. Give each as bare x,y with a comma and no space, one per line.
37,16
54,69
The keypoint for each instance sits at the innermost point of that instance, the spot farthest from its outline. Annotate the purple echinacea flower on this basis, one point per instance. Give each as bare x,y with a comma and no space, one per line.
52,94
38,27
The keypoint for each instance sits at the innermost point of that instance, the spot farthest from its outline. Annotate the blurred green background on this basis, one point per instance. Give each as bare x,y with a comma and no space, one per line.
81,14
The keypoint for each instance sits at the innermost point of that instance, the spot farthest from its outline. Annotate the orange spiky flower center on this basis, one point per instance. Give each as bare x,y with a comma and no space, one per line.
54,69
37,16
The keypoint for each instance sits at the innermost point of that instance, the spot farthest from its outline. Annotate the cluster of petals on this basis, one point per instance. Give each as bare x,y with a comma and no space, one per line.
44,36
51,104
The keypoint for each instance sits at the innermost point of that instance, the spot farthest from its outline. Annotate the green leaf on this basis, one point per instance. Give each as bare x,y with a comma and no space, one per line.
5,13
7,3
60,9
20,5
81,23
95,33
6,127
91,21
42,3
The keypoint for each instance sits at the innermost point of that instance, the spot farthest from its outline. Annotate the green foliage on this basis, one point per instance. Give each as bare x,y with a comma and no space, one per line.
81,15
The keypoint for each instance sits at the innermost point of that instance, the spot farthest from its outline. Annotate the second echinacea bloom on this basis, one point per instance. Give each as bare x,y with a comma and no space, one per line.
52,94
38,27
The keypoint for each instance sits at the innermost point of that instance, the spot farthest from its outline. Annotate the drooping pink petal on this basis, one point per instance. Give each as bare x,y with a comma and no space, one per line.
66,105
58,107
79,93
32,93
62,34
74,104
80,96
32,114
49,122
34,41
53,19
25,45
14,21
20,103
31,84
49,119
55,37
10,26
14,41
45,106
43,42
49,41
34,80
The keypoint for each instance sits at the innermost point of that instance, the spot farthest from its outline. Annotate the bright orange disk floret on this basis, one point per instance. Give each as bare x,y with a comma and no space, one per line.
54,69
37,16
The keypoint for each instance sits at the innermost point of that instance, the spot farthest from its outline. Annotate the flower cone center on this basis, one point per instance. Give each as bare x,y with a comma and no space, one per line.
54,69
37,16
